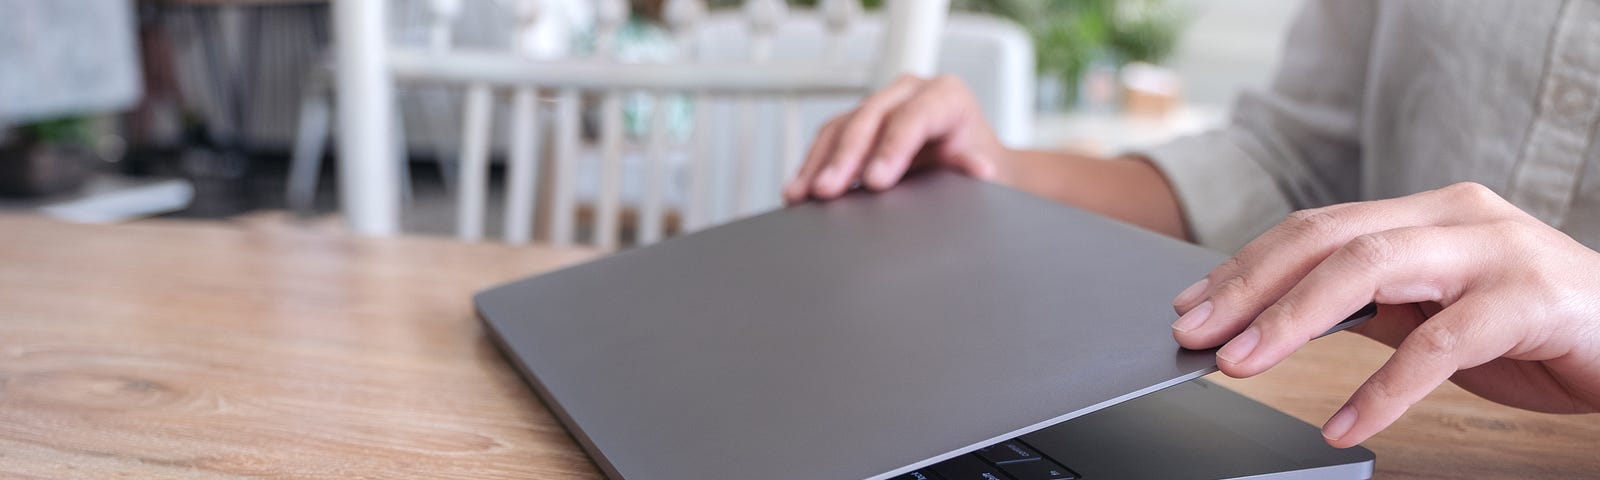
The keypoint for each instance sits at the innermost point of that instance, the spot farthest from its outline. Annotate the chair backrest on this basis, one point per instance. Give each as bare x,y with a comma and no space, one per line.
545,90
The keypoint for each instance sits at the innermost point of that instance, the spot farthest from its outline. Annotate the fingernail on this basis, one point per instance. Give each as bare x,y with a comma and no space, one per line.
1240,347
829,174
1196,317
1189,295
1340,423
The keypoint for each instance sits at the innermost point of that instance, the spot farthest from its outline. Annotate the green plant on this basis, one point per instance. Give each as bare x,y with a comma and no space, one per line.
66,131
1068,34
1147,32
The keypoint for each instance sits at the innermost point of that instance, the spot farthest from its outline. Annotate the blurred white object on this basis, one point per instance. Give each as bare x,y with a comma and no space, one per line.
993,56
368,69
65,57
555,24
1111,133
109,199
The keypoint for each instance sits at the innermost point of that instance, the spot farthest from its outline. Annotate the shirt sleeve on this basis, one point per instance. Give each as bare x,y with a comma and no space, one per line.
1295,145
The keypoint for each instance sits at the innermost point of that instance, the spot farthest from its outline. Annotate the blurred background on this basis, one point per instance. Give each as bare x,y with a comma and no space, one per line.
559,120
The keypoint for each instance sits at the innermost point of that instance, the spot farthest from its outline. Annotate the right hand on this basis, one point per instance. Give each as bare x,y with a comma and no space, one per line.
914,123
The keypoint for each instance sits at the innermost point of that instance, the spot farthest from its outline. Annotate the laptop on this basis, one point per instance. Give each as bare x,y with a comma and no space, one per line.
947,329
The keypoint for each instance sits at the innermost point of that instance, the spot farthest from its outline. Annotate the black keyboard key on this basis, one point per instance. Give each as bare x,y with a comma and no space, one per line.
918,475
1007,452
967,467
1038,470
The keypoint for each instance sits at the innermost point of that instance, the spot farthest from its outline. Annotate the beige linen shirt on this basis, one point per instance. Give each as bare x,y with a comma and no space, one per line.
1378,99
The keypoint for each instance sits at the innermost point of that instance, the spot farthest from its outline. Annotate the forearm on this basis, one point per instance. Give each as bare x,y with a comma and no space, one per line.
1128,189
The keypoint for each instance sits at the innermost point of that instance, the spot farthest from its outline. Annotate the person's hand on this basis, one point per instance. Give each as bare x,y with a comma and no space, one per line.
1469,289
914,122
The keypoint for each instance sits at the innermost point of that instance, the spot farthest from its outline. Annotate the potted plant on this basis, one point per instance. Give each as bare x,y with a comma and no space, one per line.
45,157
1073,36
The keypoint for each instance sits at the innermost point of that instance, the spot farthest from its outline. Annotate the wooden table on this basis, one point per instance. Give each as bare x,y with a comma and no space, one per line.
192,350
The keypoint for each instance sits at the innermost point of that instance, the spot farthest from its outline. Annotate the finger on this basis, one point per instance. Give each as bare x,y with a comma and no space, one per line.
1264,270
1407,265
973,166
928,114
962,158
1464,335
842,165
1332,226
800,186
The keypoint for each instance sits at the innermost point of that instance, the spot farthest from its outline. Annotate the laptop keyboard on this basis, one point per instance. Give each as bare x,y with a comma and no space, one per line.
1008,460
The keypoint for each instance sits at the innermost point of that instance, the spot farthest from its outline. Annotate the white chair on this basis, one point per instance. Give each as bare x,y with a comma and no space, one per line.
368,68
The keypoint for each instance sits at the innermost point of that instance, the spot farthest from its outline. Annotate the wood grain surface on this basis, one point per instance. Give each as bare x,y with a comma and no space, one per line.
168,349
189,350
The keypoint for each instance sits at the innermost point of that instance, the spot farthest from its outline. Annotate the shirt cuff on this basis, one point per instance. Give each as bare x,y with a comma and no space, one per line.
1228,199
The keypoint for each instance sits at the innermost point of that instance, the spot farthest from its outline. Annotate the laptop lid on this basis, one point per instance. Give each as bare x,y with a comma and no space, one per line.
861,338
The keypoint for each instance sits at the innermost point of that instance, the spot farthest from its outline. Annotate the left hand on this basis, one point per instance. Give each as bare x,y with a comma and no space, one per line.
1469,289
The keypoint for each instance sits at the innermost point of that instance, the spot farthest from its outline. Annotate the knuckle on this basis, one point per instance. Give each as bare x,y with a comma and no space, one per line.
895,141
876,104
1302,216
860,125
1379,389
1236,288
895,118
1312,224
1474,193
899,129
1371,250
1470,190
1234,265
1433,343
1281,315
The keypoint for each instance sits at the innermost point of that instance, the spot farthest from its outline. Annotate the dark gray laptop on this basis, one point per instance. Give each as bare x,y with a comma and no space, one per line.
947,329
